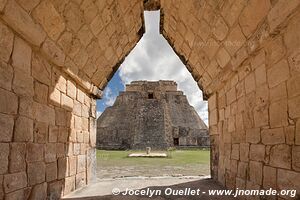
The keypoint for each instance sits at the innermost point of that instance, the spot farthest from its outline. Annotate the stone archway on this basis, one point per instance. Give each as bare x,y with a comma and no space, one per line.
55,55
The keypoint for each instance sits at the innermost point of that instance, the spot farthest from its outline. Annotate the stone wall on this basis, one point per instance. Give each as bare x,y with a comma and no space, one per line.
245,56
55,56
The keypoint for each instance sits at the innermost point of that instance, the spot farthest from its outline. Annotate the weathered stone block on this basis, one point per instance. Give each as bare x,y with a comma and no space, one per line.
51,171
242,170
17,161
80,179
6,75
6,42
288,179
250,83
273,136
235,151
81,163
223,57
67,102
293,86
253,135
40,130
294,107
278,114
14,181
269,180
278,73
53,52
278,92
256,172
41,69
50,152
280,156
62,168
8,102
220,29
23,130
55,189
46,14
6,127
235,40
244,152
36,172
4,153
71,89
280,12
39,113
53,133
291,38
35,152
39,191
60,150
296,158
23,84
69,184
257,152
21,22
253,14
40,92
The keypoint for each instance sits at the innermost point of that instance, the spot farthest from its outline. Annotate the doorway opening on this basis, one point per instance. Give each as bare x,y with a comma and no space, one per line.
152,64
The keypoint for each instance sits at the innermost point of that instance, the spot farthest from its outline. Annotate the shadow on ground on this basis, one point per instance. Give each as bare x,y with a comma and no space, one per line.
204,185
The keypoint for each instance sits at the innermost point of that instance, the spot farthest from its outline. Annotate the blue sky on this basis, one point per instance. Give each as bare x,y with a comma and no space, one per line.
153,59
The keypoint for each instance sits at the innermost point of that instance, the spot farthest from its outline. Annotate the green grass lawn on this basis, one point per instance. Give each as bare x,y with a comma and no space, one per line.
175,158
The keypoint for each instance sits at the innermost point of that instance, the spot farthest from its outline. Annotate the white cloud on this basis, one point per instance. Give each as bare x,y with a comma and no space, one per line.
98,114
154,59
109,97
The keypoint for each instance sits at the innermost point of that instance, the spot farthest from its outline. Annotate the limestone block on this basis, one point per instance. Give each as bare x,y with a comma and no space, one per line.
280,156
291,38
289,134
242,170
269,180
8,102
40,132
72,165
69,43
253,14
39,191
36,172
6,127
63,134
278,113
6,75
71,89
23,130
257,152
51,171
89,10
39,113
40,92
53,52
223,57
21,22
73,16
35,152
6,42
2,4
244,152
220,29
256,172
62,168
50,152
85,35
297,133
294,61
235,40
55,189
294,107
14,181
296,158
288,179
53,133
19,194
28,5
293,86
235,151
261,115
280,12
17,157
23,84
41,69
60,150
278,73
231,96
80,180
54,97
81,163
60,117
250,83
4,153
273,136
21,57
81,58
69,184
49,18
278,92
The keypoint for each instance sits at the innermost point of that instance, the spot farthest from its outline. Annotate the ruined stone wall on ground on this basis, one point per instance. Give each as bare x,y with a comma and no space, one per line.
245,56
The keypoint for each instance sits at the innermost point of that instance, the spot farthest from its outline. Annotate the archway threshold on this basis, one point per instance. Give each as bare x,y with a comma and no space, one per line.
103,189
